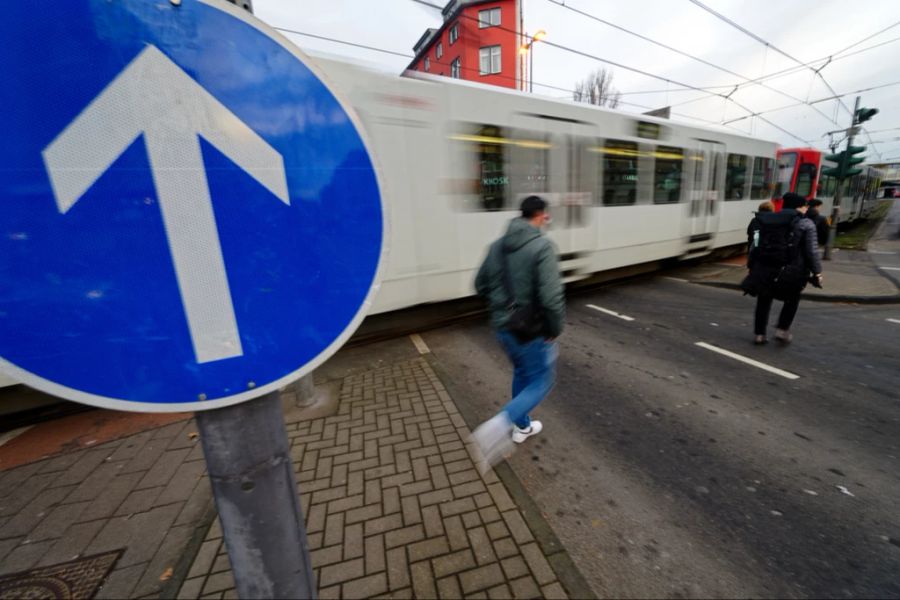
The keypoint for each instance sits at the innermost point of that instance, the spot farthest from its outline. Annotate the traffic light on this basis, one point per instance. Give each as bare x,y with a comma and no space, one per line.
864,114
845,161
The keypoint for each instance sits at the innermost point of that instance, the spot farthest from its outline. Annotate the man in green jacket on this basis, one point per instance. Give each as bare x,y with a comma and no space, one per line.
525,261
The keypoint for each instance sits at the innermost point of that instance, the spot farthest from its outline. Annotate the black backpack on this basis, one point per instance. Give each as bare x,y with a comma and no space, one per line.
777,244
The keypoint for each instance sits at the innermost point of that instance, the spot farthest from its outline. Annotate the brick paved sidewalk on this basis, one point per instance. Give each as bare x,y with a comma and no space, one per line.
394,505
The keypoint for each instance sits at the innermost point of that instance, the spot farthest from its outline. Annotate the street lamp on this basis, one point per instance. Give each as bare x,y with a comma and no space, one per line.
526,49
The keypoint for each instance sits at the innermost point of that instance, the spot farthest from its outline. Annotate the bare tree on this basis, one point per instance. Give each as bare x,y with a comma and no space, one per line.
597,89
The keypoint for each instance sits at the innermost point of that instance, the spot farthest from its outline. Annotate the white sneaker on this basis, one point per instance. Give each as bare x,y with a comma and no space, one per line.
492,441
520,435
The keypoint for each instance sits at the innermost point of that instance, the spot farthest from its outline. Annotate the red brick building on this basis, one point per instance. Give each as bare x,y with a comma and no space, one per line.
478,41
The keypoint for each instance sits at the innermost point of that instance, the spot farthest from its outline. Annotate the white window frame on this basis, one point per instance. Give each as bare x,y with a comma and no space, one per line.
439,51
455,68
427,63
494,60
489,18
454,33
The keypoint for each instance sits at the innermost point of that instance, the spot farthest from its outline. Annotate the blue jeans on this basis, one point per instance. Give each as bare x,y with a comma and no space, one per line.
534,373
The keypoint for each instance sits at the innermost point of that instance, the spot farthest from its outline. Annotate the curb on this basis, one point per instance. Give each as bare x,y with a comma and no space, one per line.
574,583
835,298
171,588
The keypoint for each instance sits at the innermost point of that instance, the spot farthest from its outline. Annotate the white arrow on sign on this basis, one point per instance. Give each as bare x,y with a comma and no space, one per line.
153,97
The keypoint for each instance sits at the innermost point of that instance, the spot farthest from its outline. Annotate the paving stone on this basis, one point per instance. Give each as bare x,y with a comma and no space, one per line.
6,546
457,507
374,554
333,592
341,572
345,504
497,530
390,501
517,526
150,528
456,533
53,465
353,541
428,549
148,455
315,521
203,561
329,495
422,580
514,567
481,578
501,592
554,591
506,547
218,582
448,587
538,563
431,517
334,529
139,501
81,469
501,497
471,519
33,512
525,587
165,558
197,505
355,483
182,483
327,556
453,563
405,536
483,500
96,483
484,552
222,563
163,469
372,492
56,522
24,557
489,515
190,589
411,512
366,587
365,513
120,583
397,568
105,505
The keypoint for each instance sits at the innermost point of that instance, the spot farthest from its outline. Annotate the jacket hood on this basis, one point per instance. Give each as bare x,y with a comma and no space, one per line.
519,233
782,217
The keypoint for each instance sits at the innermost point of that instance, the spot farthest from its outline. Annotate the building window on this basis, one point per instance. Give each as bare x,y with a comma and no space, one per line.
455,68
427,63
439,51
454,33
489,60
488,18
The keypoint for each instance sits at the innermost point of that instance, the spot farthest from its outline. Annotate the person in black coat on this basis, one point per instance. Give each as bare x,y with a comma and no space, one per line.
767,279
819,220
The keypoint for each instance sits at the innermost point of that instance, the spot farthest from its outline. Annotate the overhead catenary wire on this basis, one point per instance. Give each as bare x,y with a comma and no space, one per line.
746,79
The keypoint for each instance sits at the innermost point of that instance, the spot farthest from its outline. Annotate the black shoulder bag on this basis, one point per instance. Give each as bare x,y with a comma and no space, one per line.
525,322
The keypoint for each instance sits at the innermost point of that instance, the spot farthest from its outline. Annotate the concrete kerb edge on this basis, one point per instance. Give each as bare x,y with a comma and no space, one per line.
893,299
172,587
574,583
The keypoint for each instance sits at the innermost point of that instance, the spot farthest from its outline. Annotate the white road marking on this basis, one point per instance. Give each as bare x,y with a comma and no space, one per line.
748,361
421,346
11,435
678,279
890,268
897,321
881,252
611,312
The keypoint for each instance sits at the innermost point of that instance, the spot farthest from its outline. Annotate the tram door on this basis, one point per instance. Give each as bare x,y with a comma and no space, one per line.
707,184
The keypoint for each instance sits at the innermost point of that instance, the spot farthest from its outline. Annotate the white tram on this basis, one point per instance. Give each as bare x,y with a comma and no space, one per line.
456,158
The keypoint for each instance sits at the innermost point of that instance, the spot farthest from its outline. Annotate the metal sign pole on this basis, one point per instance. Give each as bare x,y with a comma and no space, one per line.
249,463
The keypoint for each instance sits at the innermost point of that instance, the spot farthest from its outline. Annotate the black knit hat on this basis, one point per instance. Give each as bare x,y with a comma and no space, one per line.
532,205
792,200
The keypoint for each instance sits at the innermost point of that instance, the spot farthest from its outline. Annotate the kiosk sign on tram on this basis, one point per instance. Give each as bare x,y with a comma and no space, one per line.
190,218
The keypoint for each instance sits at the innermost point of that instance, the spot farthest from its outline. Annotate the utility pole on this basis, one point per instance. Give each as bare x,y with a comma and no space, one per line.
839,188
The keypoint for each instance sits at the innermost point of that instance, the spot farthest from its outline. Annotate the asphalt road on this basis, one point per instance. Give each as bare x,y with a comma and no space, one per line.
669,470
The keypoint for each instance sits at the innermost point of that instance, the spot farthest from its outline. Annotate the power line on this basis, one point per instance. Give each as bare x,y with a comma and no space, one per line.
345,42
746,31
677,51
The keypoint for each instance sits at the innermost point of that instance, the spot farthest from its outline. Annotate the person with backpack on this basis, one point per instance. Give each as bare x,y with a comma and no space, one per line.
521,282
783,253
819,220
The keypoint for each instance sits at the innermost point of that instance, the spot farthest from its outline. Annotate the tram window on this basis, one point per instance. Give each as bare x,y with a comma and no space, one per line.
620,172
806,174
736,177
761,184
668,170
486,143
529,163
826,186
786,165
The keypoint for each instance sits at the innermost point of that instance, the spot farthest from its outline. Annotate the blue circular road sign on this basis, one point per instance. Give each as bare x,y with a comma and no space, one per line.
189,217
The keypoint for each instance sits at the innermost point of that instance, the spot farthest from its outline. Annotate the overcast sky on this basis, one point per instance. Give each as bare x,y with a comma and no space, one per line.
806,30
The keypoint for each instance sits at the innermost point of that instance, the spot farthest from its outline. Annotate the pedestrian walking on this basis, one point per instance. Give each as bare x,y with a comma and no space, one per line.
520,280
783,254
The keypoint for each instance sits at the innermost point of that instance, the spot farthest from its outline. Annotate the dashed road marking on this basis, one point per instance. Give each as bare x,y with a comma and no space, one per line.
421,346
890,268
678,279
897,321
611,312
880,252
749,361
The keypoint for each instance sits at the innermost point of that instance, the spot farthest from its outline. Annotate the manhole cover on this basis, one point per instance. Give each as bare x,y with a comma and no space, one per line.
76,579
